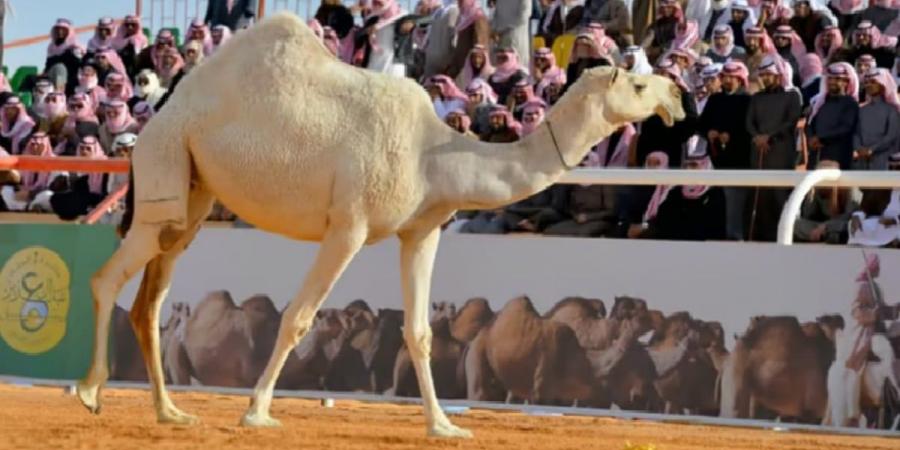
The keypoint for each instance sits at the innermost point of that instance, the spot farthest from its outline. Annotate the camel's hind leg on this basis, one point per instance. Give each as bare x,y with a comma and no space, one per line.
337,249
152,294
417,255
142,246
136,250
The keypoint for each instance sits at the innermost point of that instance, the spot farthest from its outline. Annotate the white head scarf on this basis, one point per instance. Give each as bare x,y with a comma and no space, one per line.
641,64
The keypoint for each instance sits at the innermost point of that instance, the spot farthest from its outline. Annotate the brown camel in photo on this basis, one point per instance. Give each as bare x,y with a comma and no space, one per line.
688,355
223,344
452,332
778,367
626,381
524,355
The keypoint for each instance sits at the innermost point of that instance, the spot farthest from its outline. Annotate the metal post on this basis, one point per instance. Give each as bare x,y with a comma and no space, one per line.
261,11
791,208
138,7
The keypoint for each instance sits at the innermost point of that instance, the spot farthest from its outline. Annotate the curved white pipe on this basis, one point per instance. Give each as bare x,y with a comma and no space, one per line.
792,208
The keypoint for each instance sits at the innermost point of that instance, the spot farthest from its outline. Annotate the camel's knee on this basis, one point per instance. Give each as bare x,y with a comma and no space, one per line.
418,339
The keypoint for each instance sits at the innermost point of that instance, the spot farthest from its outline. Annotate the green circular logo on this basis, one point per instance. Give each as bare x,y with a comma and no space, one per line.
34,300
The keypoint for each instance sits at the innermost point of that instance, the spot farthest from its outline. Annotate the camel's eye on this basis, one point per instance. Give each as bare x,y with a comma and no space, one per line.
639,88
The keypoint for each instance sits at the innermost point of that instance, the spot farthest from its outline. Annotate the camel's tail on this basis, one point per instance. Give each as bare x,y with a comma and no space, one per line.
160,174
128,215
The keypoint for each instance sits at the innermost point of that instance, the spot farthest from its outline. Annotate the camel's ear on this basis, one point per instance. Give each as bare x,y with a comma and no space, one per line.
615,74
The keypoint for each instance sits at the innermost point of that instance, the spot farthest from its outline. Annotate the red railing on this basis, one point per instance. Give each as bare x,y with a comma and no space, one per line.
64,163
101,209
74,164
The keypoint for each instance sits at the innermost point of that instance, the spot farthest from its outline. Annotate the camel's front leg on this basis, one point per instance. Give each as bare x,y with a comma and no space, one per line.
416,263
336,251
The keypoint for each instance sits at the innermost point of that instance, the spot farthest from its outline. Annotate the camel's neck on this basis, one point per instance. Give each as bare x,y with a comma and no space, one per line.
478,175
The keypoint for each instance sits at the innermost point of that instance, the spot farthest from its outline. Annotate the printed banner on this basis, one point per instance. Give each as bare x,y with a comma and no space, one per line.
46,311
805,333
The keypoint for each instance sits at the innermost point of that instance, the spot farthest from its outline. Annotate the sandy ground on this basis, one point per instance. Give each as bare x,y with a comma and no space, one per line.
43,418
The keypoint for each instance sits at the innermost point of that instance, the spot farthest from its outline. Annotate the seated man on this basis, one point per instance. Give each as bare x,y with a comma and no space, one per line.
533,214
584,214
825,215
8,178
35,188
690,213
876,223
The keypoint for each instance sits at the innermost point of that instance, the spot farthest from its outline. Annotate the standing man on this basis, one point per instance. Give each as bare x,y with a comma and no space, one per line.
832,118
510,27
754,38
440,45
723,122
877,133
234,14
772,121
615,17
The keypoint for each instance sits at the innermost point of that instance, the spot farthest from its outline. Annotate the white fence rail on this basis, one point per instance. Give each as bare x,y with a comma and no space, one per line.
801,182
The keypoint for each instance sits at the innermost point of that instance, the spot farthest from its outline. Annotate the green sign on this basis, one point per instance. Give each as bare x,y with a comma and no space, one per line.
46,305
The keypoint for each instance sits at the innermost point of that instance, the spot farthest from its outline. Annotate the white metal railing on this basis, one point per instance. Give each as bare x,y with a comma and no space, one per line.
801,182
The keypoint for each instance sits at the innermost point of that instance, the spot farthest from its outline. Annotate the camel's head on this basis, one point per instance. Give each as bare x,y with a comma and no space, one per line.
259,309
711,334
628,97
829,325
331,322
181,312
441,310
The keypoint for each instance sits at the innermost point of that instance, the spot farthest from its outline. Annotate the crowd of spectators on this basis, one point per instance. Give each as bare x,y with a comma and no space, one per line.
766,84
92,100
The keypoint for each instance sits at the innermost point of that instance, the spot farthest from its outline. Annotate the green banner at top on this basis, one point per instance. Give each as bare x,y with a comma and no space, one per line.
46,306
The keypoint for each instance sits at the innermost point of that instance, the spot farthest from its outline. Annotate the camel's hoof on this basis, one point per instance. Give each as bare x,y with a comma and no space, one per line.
448,430
259,421
89,396
175,416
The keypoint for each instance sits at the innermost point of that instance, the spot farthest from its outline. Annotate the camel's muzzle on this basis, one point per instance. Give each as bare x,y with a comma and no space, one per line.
670,110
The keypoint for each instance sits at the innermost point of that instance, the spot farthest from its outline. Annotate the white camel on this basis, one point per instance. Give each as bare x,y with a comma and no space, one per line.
321,151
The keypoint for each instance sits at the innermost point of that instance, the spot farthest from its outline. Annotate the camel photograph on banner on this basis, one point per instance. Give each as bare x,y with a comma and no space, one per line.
701,329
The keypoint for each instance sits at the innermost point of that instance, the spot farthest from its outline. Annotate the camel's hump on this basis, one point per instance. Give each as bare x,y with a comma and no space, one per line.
280,40
280,22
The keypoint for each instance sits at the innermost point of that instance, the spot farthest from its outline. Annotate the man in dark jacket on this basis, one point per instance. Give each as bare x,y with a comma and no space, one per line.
772,122
503,128
877,134
723,122
234,14
833,117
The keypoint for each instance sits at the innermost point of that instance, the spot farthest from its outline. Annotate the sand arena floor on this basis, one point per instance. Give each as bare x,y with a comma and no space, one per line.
43,418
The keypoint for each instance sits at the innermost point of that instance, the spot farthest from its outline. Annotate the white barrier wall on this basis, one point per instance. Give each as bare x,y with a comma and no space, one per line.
724,283
728,282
